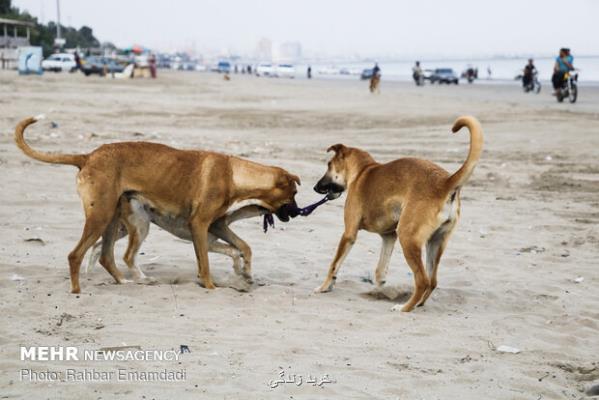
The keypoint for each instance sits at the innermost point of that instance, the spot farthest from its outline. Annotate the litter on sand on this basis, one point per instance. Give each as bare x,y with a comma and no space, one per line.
508,349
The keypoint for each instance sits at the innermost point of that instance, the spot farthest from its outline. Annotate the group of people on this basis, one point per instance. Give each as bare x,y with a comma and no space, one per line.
564,63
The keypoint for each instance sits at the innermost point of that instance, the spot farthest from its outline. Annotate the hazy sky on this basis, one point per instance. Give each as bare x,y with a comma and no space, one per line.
348,27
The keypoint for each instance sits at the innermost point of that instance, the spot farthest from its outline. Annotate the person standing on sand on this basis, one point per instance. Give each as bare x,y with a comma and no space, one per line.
417,74
309,72
152,62
77,61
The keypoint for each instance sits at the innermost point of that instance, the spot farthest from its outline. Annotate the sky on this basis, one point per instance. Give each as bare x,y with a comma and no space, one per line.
403,28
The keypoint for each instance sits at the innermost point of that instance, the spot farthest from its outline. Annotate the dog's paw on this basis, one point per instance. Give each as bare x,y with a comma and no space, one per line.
323,289
208,285
407,308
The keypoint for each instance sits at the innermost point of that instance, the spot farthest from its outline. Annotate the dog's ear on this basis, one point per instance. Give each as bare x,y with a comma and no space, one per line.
337,148
295,179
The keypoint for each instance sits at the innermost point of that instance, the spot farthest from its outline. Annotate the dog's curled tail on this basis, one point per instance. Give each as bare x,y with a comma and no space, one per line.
77,160
462,175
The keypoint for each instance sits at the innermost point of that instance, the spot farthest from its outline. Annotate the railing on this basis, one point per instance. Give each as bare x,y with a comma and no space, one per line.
13,42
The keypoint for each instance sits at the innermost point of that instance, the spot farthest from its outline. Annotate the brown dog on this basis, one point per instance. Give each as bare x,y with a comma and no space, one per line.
196,186
410,199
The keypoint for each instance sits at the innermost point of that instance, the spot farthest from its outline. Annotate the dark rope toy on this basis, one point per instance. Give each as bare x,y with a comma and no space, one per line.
293,211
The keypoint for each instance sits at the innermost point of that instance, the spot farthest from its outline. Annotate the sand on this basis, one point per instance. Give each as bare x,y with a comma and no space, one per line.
520,270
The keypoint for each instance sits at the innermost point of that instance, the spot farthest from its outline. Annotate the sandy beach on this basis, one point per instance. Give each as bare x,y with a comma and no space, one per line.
519,271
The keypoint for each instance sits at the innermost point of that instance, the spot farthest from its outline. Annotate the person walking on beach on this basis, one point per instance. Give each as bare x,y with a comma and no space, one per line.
417,74
375,79
152,62
77,61
563,63
309,72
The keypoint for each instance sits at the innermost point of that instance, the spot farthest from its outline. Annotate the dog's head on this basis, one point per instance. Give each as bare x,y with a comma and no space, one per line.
334,181
281,198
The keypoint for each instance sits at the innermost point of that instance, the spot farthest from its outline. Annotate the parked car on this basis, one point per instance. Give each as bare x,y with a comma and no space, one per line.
427,74
60,62
265,69
285,71
223,67
100,65
444,75
366,74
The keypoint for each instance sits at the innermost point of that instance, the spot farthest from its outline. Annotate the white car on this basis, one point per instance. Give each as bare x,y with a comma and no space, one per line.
264,69
285,71
59,62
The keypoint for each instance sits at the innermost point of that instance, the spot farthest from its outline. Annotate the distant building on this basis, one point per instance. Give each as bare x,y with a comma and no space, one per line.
264,50
13,34
290,52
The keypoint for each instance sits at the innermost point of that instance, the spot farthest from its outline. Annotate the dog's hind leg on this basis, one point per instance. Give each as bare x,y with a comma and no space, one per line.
413,231
94,256
383,266
99,212
138,228
107,256
434,250
97,249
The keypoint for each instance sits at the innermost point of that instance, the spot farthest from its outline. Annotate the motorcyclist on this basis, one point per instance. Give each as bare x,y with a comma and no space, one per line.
529,71
376,71
417,72
563,63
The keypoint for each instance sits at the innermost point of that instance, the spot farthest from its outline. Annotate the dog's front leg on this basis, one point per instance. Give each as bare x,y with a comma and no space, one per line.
199,231
347,241
224,232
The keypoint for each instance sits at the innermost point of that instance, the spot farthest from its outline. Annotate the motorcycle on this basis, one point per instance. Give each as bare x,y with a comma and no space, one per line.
569,88
533,85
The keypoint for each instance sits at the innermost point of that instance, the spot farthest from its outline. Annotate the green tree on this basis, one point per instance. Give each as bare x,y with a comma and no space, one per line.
44,35
5,6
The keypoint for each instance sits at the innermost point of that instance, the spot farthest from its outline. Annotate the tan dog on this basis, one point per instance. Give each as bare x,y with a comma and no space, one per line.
135,216
410,199
192,185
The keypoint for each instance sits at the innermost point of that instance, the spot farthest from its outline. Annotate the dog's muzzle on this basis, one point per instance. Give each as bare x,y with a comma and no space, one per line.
287,211
331,189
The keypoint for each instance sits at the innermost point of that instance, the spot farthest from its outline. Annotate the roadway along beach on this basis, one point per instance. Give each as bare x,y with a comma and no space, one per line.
519,271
